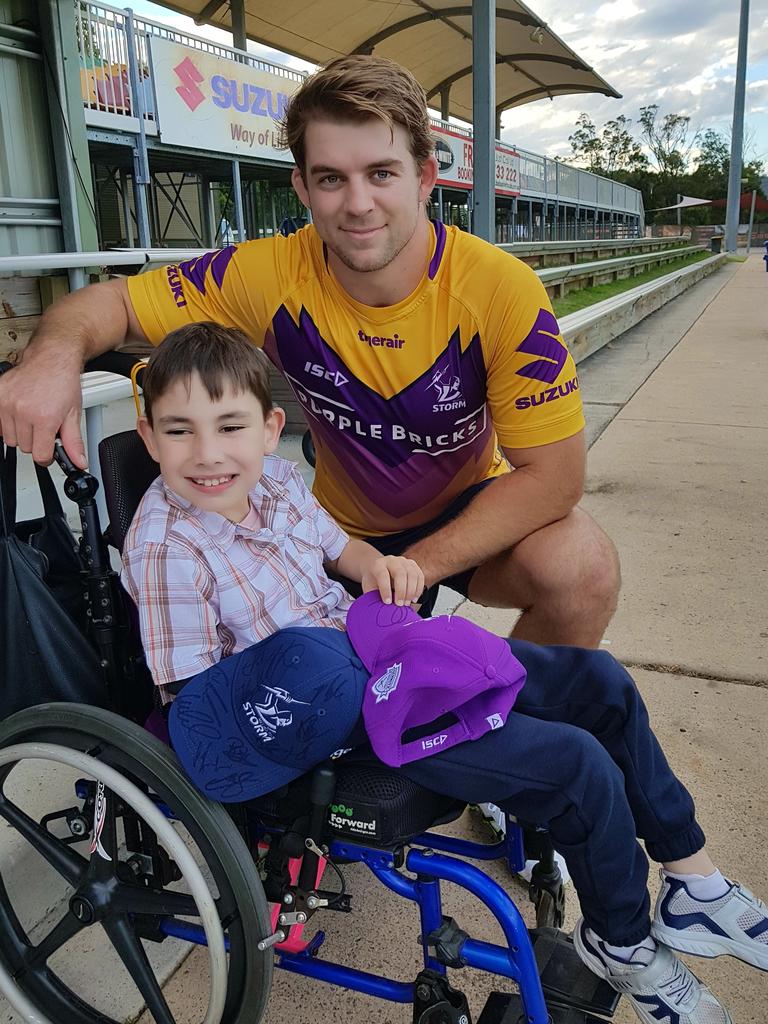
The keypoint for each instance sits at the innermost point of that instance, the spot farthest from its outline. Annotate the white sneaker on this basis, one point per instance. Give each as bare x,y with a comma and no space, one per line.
663,989
735,924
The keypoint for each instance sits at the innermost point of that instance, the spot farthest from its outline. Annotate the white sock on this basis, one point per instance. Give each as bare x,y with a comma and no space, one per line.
702,887
625,958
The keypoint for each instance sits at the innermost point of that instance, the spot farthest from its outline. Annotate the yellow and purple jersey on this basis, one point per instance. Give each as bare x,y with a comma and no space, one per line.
407,403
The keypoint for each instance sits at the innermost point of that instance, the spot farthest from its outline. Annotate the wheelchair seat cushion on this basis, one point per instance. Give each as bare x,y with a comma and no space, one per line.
373,805
380,807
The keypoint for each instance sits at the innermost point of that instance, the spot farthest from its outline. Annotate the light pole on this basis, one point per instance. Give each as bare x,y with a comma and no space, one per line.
737,135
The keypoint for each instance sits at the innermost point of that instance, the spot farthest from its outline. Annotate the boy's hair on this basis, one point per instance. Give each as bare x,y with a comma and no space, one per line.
357,88
219,355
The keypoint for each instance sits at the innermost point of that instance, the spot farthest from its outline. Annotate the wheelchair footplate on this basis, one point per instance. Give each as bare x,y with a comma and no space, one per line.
573,994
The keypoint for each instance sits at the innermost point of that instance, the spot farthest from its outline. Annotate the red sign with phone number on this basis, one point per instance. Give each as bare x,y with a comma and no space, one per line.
454,156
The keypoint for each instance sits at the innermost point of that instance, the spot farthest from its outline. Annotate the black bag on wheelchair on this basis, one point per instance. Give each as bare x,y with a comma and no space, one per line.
44,652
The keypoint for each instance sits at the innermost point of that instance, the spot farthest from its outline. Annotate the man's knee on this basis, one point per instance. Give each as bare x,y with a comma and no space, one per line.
576,557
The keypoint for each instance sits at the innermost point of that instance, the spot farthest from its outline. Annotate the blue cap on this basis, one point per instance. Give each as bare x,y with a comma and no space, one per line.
261,718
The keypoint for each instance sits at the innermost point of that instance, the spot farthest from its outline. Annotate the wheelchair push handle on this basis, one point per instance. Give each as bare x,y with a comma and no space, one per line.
121,363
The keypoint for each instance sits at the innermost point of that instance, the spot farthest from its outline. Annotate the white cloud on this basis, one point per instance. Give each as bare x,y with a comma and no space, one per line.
617,10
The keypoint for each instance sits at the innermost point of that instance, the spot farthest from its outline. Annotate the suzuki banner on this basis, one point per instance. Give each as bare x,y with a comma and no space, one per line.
212,103
454,158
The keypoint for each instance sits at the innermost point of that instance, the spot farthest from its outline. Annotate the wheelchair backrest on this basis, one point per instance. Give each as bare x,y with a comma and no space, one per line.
127,470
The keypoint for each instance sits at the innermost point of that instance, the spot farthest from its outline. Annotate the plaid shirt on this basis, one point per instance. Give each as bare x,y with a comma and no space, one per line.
206,588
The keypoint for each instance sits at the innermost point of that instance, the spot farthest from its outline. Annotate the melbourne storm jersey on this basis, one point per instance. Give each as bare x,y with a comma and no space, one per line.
407,403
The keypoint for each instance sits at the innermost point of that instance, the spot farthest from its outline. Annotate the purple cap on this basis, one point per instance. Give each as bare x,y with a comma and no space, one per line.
422,669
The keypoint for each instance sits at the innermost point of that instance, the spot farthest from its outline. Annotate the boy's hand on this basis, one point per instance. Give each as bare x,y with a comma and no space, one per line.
394,576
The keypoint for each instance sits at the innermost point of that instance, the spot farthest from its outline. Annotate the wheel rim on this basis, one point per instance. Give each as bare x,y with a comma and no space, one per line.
93,900
218,846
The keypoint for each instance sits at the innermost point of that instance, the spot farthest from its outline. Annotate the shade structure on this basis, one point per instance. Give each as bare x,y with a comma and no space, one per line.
433,40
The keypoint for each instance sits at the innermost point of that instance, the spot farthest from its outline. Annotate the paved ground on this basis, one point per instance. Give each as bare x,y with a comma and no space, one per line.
678,476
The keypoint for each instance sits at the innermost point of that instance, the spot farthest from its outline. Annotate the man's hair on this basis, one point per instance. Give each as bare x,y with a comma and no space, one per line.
219,355
357,88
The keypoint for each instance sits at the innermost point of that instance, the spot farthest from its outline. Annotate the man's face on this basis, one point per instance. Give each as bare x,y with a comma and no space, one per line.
211,453
364,189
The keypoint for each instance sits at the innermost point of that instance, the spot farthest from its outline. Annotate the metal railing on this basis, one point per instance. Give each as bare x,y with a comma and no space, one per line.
105,59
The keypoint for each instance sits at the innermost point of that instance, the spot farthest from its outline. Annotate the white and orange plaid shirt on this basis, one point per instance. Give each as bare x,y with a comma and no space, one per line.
206,588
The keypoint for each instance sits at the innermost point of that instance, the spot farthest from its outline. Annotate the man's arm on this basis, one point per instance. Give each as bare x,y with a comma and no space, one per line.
547,482
42,395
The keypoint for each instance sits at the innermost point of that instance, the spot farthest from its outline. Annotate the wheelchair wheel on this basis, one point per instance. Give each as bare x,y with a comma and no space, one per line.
125,878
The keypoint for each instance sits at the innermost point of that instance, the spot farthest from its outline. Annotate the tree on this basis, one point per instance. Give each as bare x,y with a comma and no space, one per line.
620,151
586,146
667,140
614,149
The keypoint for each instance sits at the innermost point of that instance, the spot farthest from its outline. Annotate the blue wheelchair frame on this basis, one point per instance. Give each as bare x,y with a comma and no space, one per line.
515,961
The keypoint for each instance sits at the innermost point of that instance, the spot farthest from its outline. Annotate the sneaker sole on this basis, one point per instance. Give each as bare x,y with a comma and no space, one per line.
711,947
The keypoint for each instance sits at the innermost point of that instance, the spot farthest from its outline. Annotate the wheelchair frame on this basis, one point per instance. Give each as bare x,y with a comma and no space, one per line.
546,964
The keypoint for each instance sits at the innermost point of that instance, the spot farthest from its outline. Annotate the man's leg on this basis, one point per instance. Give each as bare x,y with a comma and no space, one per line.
565,578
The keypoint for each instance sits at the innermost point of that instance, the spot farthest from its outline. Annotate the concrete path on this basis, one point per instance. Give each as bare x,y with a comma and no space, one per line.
678,476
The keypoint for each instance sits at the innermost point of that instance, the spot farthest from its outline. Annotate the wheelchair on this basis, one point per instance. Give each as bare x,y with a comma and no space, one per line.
147,865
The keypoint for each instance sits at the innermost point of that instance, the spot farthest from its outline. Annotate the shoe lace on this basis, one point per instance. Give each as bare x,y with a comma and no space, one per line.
680,985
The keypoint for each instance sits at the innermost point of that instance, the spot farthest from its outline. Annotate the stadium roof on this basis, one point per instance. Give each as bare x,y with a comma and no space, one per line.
433,40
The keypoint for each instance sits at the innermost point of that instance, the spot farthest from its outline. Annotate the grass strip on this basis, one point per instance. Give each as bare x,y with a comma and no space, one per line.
576,300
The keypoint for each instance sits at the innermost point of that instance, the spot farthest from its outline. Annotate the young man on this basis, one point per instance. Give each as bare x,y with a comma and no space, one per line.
228,548
416,351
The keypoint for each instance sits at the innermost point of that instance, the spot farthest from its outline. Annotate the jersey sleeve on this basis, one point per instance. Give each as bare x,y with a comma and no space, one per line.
240,286
533,388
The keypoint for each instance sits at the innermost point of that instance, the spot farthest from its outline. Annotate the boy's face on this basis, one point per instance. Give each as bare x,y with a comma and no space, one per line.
211,453
364,188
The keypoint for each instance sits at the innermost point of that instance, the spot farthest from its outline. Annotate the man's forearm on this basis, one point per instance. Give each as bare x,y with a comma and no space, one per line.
80,326
507,510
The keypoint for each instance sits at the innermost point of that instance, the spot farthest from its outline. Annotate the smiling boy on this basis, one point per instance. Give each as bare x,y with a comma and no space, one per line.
228,546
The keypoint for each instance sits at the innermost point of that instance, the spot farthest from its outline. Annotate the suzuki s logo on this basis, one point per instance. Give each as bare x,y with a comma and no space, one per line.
190,78
334,376
543,341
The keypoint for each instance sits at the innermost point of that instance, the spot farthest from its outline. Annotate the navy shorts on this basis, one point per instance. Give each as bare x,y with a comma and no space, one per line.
396,543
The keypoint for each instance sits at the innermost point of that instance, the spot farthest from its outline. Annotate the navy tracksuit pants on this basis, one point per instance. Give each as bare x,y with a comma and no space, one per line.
577,754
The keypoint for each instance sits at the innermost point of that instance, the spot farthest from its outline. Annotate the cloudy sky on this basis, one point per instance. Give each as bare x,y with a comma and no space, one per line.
677,54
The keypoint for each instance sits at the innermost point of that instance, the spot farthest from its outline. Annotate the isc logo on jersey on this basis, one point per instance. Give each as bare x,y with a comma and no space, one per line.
334,376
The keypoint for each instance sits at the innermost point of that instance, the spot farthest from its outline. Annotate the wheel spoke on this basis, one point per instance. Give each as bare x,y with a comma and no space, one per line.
135,899
69,864
67,927
133,955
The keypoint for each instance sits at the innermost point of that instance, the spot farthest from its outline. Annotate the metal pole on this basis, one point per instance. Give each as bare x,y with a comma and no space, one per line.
679,211
238,191
484,117
737,135
445,99
126,209
440,214
140,156
237,11
751,220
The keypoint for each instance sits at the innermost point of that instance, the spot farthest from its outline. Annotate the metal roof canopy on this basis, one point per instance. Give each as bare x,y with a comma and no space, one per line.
433,40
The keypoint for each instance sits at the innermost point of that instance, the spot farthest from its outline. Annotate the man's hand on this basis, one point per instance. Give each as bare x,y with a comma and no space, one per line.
38,399
42,396
393,575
